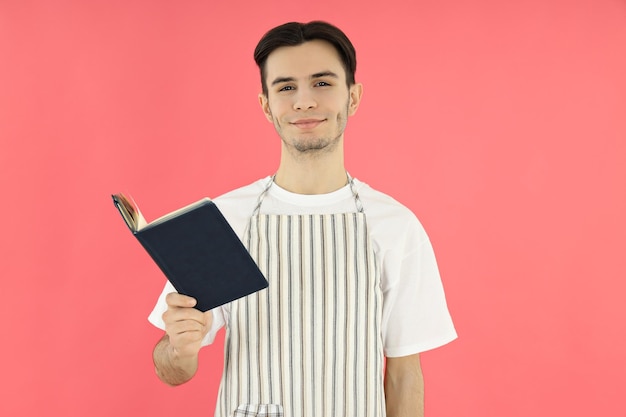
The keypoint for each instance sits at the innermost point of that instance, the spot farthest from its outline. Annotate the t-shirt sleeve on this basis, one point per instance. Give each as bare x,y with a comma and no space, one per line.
156,316
415,312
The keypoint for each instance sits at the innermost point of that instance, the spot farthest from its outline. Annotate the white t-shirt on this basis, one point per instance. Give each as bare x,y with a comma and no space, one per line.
415,315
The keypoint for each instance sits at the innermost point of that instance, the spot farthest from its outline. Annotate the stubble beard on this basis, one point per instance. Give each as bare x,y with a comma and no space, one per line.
312,146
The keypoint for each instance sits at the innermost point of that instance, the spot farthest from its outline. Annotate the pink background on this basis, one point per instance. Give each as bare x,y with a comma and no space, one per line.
502,124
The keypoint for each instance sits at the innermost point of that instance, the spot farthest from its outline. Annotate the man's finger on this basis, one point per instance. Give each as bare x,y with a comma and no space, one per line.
175,299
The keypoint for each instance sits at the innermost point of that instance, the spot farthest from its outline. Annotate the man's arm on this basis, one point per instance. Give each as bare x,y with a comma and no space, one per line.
176,354
404,387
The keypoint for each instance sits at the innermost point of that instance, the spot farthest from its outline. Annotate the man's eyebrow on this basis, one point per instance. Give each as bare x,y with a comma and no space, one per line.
322,74
283,80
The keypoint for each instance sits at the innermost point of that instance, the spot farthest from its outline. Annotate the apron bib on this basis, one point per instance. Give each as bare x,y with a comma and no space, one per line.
310,344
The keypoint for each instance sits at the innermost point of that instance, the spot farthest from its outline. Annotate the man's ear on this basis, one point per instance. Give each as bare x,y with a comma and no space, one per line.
356,91
265,107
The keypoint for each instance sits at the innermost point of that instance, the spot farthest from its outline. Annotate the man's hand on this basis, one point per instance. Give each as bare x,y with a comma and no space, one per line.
184,325
176,354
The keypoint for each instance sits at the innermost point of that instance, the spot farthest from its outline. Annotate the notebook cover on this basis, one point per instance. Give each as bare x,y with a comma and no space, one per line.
202,257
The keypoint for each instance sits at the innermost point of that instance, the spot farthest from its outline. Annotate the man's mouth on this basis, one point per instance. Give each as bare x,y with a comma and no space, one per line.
306,124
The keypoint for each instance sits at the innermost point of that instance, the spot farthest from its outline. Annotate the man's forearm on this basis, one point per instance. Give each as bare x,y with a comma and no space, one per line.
171,368
404,387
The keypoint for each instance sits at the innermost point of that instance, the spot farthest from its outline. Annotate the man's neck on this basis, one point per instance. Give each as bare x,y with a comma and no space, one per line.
319,174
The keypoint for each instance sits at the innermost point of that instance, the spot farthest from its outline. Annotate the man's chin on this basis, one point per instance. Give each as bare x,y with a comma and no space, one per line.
310,147
305,144
314,145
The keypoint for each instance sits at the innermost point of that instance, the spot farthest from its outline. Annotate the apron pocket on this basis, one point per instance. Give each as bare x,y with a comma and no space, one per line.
259,410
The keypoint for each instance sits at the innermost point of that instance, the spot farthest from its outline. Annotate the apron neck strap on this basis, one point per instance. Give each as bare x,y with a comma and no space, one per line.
357,199
355,194
259,200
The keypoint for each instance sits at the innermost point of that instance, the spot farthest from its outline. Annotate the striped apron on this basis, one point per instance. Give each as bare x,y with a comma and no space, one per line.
310,344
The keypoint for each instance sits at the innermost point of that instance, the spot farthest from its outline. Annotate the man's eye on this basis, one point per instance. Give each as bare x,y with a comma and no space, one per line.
322,84
286,88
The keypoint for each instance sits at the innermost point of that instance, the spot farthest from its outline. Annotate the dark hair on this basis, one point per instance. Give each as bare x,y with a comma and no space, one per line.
295,33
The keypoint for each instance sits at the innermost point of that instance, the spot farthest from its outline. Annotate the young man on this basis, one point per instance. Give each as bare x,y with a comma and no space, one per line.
352,275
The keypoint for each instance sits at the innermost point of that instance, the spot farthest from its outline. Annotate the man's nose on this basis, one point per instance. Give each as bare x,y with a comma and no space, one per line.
304,100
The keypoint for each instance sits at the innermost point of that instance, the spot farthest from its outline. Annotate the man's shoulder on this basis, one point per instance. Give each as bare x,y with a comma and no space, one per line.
390,220
381,203
237,205
245,192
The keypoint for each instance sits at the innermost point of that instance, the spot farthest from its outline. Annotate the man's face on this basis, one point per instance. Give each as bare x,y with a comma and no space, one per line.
308,100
